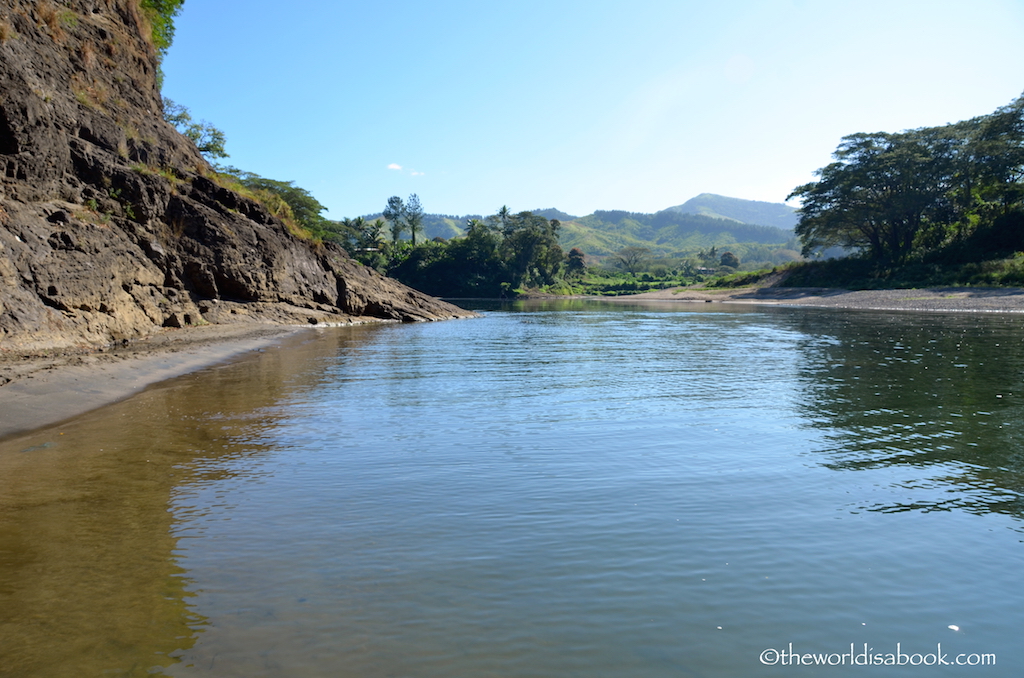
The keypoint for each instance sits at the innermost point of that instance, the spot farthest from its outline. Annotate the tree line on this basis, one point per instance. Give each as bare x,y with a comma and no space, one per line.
498,254
954,191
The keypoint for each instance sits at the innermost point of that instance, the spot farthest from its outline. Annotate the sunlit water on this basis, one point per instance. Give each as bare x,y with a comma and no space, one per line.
552,490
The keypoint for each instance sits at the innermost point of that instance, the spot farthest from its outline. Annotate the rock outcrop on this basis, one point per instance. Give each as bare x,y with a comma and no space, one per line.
112,224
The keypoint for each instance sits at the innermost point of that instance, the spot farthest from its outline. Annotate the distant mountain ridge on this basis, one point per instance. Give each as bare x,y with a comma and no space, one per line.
701,222
667,233
774,214
552,213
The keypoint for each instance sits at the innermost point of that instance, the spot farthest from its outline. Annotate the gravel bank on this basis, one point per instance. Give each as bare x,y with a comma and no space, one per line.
945,299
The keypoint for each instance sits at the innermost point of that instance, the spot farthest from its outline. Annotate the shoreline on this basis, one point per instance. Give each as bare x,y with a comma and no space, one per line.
38,391
933,300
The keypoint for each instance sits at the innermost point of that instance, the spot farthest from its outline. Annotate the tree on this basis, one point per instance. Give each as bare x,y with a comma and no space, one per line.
995,162
160,14
632,258
708,257
395,213
877,196
575,263
207,139
729,259
372,234
413,216
305,208
504,216
361,239
530,249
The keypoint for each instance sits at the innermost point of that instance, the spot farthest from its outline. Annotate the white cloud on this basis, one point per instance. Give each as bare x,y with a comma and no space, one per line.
417,174
394,166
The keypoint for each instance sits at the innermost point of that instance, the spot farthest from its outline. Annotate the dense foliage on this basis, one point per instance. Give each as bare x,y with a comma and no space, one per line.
496,255
160,14
953,193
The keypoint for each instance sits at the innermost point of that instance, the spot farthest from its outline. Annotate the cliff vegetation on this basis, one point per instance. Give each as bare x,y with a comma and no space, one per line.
113,224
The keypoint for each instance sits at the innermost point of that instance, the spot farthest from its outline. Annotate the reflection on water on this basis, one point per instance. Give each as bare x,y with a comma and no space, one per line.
554,489
938,400
89,579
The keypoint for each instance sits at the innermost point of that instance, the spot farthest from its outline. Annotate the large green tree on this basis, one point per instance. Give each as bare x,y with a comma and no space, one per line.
575,263
923,190
530,248
876,196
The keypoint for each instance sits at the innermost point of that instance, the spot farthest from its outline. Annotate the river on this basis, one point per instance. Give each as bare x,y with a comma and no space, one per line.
555,489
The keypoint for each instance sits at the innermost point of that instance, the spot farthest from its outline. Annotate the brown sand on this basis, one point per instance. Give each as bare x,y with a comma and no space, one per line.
37,391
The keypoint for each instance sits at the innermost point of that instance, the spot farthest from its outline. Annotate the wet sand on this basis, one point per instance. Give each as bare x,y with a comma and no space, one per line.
37,391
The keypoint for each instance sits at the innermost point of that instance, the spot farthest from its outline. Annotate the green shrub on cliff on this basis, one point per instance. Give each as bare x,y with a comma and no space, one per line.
208,139
160,14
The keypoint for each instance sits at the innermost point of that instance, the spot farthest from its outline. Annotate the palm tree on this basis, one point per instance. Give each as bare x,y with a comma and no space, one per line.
504,217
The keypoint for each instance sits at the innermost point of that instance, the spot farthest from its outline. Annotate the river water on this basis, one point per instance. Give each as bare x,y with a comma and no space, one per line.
555,489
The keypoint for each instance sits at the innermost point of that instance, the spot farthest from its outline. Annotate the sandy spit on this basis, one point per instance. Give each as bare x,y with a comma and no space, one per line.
944,299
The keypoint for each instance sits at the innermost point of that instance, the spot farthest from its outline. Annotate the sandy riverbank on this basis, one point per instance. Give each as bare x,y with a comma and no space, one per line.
37,391
945,300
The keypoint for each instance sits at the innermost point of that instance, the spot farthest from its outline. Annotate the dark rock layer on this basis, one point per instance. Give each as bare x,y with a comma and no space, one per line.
111,224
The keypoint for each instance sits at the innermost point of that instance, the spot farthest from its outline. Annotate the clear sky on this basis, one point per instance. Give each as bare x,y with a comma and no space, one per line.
579,105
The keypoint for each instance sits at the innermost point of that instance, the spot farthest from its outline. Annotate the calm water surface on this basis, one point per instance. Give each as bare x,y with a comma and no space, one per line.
563,489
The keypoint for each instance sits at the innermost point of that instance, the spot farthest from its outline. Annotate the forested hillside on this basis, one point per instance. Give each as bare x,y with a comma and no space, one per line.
666,232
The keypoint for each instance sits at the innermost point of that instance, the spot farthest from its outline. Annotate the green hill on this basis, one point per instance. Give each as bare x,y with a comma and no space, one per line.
665,232
774,214
552,213
705,221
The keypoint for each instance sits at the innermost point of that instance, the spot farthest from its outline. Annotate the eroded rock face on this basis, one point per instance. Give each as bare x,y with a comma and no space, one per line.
110,226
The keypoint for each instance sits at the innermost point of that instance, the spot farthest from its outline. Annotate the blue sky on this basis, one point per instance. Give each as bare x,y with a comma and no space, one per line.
582,106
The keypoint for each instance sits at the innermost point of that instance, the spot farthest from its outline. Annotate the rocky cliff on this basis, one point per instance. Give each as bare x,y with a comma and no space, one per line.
112,224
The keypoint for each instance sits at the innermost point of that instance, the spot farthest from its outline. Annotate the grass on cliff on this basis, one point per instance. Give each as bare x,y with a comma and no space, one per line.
272,202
